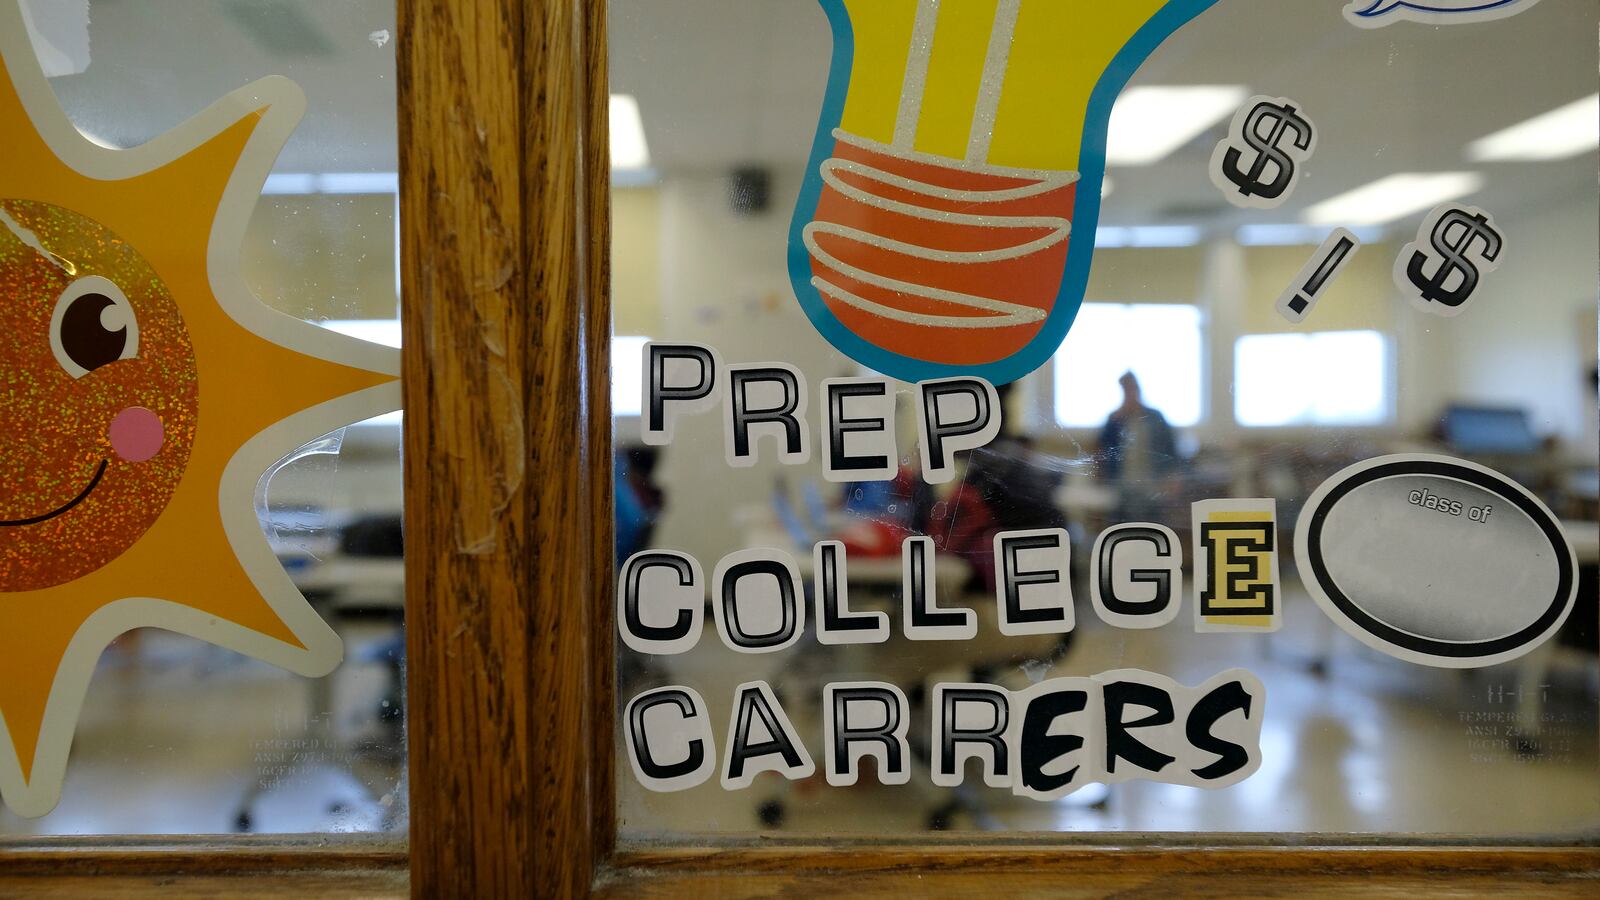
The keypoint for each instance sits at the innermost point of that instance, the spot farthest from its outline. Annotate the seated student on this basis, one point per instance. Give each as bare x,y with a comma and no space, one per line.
882,514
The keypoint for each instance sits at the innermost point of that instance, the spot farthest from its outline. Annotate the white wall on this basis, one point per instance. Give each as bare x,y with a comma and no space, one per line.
724,282
1530,339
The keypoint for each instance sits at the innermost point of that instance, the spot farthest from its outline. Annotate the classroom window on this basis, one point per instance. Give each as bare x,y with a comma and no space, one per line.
1160,343
627,367
1325,378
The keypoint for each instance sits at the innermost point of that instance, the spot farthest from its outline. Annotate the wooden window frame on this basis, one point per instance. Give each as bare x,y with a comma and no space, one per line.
505,202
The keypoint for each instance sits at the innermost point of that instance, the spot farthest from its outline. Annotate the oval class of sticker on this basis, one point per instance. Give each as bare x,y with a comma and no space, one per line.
1436,561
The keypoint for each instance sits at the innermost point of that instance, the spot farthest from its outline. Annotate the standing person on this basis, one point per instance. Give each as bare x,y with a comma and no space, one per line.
1137,452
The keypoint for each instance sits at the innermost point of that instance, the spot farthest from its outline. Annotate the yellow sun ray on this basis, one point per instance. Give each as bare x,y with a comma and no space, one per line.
266,384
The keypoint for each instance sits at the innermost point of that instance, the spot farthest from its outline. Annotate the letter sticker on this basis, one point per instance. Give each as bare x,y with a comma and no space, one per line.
669,739
756,600
865,718
1138,575
762,739
1236,566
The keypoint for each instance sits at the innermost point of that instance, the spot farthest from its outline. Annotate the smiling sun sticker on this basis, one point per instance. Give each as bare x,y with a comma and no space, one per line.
143,392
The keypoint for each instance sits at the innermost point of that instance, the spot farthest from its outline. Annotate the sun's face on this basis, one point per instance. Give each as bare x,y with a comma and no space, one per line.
102,395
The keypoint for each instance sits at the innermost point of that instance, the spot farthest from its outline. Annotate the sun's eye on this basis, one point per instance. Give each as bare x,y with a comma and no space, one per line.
93,325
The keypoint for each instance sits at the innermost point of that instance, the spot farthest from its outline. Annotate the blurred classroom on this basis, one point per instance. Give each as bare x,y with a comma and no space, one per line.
713,126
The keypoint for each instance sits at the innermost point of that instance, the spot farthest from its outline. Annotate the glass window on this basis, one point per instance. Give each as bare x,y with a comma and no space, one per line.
745,221
1323,378
626,369
1159,344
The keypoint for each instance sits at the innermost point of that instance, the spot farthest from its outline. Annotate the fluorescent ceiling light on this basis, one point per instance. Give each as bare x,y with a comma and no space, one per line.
1294,235
1148,236
1148,123
1393,197
359,183
378,331
290,183
628,149
1558,134
332,183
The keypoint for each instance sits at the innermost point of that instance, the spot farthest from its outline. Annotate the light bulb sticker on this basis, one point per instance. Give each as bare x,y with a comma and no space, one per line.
146,391
947,219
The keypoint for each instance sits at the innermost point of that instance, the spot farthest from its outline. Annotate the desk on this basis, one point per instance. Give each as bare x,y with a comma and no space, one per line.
356,582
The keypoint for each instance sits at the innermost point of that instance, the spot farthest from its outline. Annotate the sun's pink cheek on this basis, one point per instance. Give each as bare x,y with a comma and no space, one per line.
137,434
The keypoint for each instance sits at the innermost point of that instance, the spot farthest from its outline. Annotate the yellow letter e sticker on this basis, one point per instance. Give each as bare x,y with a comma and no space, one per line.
1236,566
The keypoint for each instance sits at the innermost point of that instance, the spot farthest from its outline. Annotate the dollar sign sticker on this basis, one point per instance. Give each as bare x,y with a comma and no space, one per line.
1455,247
1258,164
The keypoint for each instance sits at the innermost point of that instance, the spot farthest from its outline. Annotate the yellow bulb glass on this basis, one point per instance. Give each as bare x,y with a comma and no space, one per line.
961,141
1052,53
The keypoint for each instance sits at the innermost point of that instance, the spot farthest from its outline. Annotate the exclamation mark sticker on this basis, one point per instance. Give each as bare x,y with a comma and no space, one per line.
1329,261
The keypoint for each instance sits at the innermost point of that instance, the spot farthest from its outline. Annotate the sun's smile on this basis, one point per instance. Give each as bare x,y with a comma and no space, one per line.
99,473
143,392
103,379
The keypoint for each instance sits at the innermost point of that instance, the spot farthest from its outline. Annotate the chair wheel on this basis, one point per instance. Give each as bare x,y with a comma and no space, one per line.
771,814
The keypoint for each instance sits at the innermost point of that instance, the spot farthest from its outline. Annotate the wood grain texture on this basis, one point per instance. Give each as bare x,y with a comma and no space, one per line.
1132,881
500,515
267,883
568,541
978,855
349,866
959,867
597,245
175,855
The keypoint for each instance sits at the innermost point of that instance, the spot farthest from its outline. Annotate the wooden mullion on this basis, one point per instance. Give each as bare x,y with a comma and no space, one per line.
570,465
597,247
499,516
